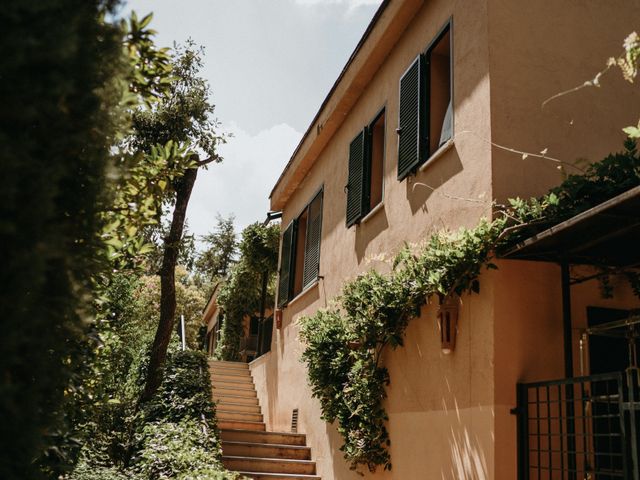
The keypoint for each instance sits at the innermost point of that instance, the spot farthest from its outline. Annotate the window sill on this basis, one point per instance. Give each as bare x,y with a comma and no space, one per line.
373,211
308,288
444,148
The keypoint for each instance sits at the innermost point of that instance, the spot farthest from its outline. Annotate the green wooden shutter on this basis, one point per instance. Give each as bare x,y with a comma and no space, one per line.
357,177
287,252
411,129
312,244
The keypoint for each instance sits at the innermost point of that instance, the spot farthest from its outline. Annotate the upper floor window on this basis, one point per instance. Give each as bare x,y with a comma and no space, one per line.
426,110
366,164
300,251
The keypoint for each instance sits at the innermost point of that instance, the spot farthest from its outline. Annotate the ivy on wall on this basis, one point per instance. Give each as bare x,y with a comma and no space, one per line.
344,343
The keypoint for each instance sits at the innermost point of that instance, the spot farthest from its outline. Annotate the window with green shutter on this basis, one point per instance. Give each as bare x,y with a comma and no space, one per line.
411,124
357,177
286,262
366,164
300,252
312,242
425,120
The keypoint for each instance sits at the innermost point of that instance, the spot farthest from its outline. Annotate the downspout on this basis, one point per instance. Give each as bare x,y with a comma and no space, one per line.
568,366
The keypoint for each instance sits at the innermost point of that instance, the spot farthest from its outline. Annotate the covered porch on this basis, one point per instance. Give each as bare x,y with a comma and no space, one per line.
586,425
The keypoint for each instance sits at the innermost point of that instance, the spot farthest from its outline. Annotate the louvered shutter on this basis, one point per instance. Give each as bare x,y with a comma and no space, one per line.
286,263
312,243
411,129
356,182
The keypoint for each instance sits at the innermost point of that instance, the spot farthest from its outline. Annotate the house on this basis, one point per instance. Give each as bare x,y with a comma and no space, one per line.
430,121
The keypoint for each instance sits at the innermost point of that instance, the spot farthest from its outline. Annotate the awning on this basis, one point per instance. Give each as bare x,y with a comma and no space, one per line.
606,235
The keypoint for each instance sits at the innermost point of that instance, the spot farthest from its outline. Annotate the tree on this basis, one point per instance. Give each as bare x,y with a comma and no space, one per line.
220,252
250,284
182,122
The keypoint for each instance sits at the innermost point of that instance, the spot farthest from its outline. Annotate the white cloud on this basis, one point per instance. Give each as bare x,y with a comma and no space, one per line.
242,182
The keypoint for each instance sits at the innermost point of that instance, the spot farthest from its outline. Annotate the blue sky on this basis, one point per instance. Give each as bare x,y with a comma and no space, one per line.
269,63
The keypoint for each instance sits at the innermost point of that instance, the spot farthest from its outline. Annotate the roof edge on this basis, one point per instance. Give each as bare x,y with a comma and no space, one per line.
383,6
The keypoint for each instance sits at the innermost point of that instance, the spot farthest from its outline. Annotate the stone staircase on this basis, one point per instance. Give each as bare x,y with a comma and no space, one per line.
247,447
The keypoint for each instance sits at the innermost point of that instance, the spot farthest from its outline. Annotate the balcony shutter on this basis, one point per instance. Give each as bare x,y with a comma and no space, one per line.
286,265
410,130
356,183
312,245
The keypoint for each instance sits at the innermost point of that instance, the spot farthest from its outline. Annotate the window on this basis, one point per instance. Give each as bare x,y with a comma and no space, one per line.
300,251
366,160
426,111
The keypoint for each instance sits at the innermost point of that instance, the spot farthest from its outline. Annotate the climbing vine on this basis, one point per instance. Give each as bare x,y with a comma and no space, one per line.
344,343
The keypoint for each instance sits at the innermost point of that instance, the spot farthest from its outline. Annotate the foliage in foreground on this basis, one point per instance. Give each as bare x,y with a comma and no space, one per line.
344,343
240,295
174,436
58,116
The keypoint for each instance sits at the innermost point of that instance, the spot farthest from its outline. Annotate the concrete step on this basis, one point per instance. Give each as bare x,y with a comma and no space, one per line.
215,377
252,436
242,416
222,399
240,425
277,476
229,365
242,384
234,392
230,372
238,407
269,465
266,450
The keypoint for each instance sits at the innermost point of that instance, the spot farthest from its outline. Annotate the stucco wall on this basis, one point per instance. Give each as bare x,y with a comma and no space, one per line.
537,50
449,415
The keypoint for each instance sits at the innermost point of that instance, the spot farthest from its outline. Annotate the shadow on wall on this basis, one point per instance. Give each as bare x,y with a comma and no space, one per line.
421,186
368,231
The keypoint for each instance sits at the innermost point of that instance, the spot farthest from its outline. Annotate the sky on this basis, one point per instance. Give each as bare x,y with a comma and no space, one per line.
270,64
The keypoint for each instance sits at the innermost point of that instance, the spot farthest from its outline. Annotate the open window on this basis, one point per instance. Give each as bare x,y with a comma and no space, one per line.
366,165
300,251
426,104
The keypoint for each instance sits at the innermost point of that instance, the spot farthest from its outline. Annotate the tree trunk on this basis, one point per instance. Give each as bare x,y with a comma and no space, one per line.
168,286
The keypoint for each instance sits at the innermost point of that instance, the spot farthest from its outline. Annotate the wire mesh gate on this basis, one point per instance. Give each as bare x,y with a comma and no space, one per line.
583,428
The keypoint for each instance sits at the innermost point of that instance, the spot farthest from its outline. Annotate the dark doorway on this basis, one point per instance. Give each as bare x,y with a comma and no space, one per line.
607,353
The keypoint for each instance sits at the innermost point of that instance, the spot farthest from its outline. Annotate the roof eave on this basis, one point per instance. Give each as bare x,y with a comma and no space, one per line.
382,33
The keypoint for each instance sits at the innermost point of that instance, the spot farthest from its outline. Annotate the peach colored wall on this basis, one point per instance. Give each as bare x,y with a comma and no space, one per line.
449,415
539,49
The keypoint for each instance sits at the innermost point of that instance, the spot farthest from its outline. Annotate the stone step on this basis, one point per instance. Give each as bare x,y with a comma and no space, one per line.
229,365
238,407
277,476
222,399
269,465
234,392
252,436
242,416
240,425
266,450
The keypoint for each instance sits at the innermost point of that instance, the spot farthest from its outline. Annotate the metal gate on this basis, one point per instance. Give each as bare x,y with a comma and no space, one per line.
583,428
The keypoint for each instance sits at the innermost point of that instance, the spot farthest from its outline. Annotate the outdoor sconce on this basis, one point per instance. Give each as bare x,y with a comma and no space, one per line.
278,316
448,322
